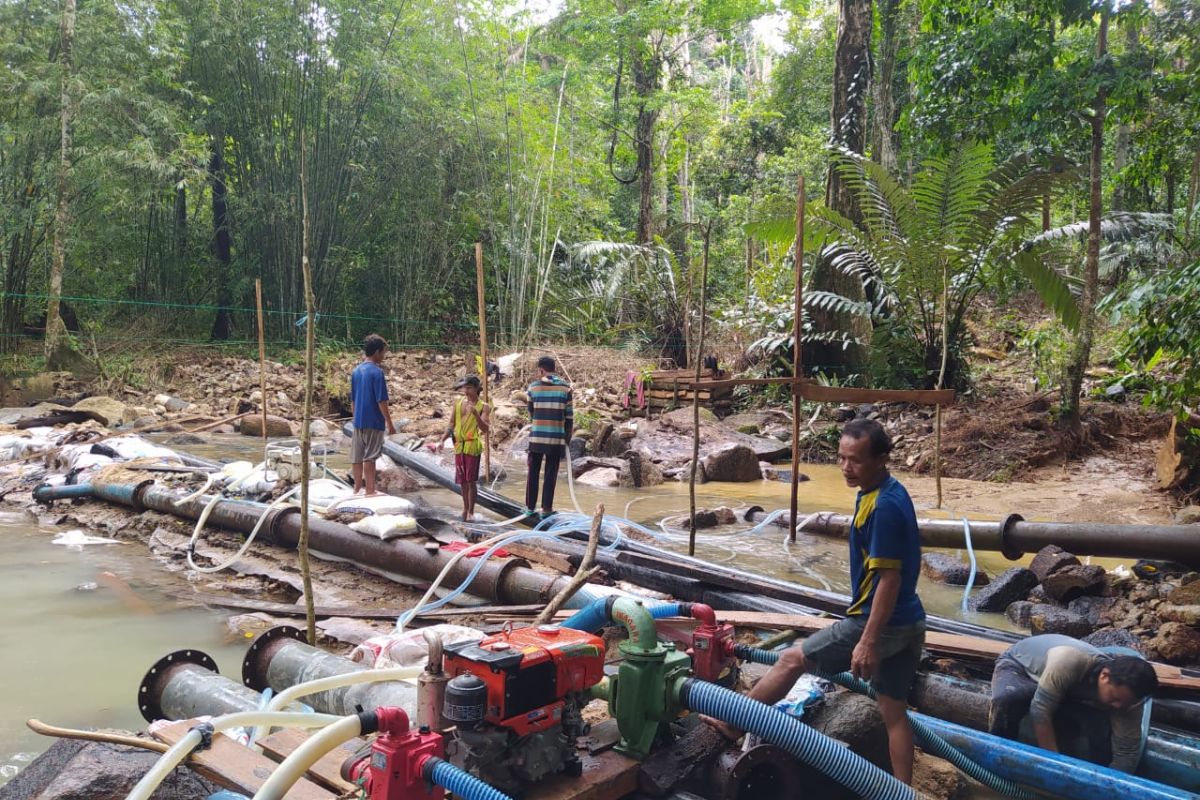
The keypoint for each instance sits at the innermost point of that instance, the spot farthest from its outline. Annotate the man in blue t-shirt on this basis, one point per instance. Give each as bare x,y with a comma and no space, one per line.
882,636
369,404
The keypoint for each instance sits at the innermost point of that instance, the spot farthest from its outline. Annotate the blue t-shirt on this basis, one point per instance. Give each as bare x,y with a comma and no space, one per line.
368,389
884,536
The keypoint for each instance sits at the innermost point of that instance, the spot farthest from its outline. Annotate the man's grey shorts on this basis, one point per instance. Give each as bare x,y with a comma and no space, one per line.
900,646
365,445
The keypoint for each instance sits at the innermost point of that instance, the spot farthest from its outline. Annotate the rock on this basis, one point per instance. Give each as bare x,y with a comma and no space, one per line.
1007,587
1067,583
1052,619
319,428
947,569
77,770
1093,609
588,463
1050,559
105,410
1176,643
1114,637
843,414
735,464
1187,594
684,473
725,515
1116,393
1018,612
704,519
854,720
614,446
1188,515
1153,570
639,471
768,472
276,426
604,476
936,779
751,430
171,403
186,439
578,447
1037,595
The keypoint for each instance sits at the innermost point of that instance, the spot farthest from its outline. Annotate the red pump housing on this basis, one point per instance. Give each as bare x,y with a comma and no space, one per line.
394,769
712,647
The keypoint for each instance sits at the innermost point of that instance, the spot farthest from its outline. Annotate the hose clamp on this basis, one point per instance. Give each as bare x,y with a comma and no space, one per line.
206,731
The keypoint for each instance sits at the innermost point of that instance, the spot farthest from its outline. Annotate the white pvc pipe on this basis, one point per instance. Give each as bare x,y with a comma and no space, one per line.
184,747
303,757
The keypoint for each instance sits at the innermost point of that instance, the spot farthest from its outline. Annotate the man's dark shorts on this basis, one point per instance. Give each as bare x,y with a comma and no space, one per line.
900,646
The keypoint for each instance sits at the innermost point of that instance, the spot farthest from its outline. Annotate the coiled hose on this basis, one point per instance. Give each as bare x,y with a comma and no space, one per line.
802,741
931,742
459,782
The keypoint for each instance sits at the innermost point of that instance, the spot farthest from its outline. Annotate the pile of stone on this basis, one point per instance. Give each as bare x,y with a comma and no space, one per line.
1154,608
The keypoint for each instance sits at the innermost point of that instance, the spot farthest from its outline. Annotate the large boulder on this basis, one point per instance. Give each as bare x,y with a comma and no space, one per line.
734,464
1018,612
105,410
586,464
76,770
854,720
947,569
1094,609
639,471
1188,515
1053,619
1115,637
1176,643
1049,560
604,477
1077,580
1007,587
277,427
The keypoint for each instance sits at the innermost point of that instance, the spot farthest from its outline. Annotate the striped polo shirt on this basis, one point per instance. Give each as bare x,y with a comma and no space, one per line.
551,414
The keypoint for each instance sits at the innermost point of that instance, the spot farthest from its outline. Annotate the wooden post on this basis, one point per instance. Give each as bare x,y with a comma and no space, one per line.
310,333
797,356
262,355
696,397
483,356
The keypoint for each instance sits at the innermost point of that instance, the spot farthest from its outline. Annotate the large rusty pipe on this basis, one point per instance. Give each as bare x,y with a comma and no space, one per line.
1014,536
501,580
280,659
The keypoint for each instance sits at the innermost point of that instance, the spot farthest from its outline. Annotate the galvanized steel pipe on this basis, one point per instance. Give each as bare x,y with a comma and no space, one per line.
1014,536
185,684
279,659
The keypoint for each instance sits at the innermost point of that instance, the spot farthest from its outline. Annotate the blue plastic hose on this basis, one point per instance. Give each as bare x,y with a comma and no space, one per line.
459,783
931,742
783,730
594,615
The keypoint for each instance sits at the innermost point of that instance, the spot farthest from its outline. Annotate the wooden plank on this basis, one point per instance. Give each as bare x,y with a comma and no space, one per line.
235,766
944,643
359,612
606,776
327,771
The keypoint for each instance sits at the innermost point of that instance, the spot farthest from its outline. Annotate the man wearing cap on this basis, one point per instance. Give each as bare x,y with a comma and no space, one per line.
468,423
552,417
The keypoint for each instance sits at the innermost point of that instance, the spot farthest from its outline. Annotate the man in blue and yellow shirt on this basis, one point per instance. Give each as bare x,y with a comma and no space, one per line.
882,636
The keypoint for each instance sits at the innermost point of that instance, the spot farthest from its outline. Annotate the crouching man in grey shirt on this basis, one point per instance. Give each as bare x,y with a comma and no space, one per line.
1055,679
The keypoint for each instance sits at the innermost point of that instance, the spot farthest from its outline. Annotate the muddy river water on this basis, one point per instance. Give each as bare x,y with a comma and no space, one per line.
75,644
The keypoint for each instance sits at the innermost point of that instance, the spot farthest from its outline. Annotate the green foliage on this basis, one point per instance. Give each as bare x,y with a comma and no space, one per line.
1160,322
1049,350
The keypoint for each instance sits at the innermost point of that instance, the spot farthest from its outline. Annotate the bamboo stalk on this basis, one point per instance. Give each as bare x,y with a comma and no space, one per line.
310,307
483,355
797,357
262,355
696,398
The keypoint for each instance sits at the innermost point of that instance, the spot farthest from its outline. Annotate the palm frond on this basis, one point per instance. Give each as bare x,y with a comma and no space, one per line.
952,191
1055,289
1118,226
887,207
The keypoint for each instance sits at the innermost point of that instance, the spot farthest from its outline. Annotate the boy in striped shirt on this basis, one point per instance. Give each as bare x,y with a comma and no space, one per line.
552,417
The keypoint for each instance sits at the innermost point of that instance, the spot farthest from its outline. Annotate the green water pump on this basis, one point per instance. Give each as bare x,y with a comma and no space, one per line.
640,696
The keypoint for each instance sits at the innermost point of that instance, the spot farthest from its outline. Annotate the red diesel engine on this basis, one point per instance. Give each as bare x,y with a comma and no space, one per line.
516,699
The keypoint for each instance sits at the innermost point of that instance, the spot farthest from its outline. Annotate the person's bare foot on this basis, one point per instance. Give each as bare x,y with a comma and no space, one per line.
724,728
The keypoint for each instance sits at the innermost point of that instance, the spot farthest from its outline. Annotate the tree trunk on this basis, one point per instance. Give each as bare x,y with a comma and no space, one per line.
222,326
851,78
1124,138
56,345
1091,273
645,82
883,144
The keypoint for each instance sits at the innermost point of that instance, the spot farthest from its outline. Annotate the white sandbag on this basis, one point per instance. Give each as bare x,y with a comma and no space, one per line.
325,492
133,447
408,649
385,526
90,461
375,504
